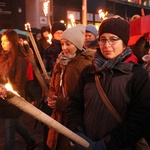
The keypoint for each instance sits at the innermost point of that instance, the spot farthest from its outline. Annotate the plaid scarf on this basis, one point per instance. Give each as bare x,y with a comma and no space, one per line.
101,63
65,59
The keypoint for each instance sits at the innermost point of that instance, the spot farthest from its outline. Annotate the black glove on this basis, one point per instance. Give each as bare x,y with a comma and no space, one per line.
98,145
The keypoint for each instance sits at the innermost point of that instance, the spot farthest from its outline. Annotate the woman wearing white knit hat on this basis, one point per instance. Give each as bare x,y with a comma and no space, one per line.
70,63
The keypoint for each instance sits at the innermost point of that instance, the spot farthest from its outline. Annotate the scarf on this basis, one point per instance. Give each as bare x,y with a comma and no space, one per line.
65,59
101,63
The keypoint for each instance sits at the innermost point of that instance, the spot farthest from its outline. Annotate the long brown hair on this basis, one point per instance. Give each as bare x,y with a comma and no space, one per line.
13,38
7,60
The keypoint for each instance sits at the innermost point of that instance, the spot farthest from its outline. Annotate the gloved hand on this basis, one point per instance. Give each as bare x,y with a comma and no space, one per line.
98,145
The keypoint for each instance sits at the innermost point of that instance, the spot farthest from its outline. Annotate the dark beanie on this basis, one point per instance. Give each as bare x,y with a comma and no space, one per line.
116,26
58,26
44,29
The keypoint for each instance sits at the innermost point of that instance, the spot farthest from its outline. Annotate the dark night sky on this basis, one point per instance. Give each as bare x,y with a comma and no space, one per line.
92,5
95,5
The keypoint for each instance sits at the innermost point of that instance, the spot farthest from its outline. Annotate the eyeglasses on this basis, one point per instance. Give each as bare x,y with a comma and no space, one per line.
111,41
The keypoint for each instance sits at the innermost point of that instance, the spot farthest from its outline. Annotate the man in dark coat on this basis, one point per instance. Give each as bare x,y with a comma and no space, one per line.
51,53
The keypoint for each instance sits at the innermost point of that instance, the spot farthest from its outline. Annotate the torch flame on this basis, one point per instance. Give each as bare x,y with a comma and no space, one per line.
27,26
71,17
45,7
9,88
49,38
102,15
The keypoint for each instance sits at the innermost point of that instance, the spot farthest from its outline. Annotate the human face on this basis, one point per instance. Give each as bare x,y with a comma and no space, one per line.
88,36
67,47
6,44
112,48
45,34
57,35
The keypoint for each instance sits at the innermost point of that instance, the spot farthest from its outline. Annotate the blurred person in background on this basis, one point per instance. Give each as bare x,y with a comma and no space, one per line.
51,53
33,90
91,38
43,43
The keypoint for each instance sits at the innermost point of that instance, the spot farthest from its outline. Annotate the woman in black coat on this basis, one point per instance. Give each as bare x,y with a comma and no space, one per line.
126,85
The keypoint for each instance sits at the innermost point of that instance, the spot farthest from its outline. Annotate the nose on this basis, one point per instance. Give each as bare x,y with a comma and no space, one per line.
107,42
64,46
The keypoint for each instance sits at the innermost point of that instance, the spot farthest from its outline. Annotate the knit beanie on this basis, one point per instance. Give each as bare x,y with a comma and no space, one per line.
91,28
58,26
75,35
116,26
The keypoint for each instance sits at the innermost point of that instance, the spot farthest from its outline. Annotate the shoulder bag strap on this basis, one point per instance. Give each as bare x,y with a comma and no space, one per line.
106,100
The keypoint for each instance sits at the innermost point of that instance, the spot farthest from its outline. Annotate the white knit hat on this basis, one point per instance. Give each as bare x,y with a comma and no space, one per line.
75,35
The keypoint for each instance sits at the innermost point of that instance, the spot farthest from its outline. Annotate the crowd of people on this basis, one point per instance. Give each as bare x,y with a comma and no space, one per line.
98,86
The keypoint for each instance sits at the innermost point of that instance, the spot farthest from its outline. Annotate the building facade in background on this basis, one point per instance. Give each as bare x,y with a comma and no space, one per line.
12,14
15,13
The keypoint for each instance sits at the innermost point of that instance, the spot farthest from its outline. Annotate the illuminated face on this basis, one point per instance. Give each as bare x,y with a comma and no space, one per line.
45,34
68,48
88,36
110,45
6,45
57,35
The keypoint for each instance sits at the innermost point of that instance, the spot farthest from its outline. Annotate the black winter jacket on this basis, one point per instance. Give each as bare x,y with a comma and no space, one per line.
127,86
51,54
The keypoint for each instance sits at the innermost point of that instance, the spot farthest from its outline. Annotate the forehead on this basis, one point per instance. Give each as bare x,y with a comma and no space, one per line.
64,41
4,37
107,35
89,33
59,31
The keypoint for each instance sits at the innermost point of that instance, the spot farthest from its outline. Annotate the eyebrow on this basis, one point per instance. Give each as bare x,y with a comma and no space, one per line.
109,37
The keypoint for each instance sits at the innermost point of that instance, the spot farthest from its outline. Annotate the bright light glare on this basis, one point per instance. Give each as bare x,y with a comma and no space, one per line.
9,88
49,38
45,7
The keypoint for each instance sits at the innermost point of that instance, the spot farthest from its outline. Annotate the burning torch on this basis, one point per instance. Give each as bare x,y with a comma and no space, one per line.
102,15
7,93
46,10
72,20
28,28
